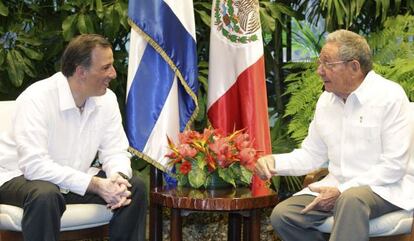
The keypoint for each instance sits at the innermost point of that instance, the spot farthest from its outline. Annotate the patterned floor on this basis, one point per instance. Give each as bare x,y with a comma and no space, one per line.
211,227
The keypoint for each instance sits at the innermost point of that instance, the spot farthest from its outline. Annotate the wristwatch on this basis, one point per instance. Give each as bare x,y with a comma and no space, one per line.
123,176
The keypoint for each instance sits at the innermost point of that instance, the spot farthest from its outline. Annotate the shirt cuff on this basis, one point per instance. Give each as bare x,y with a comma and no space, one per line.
282,167
124,176
81,184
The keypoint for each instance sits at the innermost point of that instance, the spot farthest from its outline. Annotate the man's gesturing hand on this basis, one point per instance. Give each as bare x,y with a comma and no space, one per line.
265,167
325,201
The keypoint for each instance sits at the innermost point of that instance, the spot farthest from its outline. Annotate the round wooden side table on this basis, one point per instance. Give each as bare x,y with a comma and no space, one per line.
232,200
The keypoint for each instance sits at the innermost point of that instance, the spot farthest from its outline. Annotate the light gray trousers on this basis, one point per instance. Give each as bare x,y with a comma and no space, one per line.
352,212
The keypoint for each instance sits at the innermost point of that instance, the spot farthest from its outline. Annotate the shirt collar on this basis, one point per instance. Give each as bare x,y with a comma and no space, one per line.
364,91
66,99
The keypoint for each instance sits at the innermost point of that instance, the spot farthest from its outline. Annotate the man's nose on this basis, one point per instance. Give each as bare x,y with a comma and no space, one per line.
113,72
320,70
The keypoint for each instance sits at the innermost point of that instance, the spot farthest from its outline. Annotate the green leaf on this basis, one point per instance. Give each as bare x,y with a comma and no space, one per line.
122,10
200,161
268,23
203,4
68,26
227,175
339,13
111,22
29,68
100,12
182,180
99,6
2,55
82,24
30,40
203,80
31,53
276,182
196,177
205,17
19,60
13,70
4,11
89,24
276,9
246,175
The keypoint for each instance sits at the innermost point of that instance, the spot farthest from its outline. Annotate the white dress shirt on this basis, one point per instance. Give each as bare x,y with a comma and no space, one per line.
52,140
363,141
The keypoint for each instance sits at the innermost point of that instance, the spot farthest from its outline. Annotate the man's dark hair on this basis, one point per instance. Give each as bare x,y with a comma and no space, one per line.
78,52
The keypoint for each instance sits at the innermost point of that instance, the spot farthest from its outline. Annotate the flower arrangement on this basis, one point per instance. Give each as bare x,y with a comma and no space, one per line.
199,158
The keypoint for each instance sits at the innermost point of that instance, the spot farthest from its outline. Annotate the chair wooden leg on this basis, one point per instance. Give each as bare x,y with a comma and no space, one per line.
175,225
412,230
10,236
254,225
155,222
155,210
96,233
234,227
246,228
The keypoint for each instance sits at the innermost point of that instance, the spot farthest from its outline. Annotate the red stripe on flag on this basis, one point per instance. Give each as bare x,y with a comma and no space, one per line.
244,105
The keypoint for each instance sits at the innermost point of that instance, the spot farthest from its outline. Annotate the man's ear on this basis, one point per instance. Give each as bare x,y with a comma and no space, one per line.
80,71
355,65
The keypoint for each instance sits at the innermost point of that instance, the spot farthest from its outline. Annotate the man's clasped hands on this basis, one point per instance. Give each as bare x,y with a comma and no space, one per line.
114,190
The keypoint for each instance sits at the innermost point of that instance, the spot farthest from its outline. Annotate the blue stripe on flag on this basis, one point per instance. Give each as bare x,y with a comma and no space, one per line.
157,20
151,85
174,54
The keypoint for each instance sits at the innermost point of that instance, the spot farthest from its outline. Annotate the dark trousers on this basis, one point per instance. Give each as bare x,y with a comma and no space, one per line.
352,212
43,205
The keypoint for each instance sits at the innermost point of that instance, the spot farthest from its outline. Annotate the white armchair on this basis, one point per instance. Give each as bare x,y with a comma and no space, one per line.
79,221
394,226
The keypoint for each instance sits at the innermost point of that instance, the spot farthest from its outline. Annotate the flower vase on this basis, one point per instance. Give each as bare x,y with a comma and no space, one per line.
216,182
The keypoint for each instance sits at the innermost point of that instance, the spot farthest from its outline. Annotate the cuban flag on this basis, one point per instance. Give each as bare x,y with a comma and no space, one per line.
162,76
237,97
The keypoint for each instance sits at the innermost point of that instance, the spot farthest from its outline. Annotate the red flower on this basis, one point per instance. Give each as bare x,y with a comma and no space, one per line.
211,163
242,141
208,133
223,152
186,150
187,137
185,167
213,151
248,158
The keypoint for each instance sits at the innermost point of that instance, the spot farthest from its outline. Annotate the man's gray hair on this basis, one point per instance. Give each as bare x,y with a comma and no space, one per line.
352,46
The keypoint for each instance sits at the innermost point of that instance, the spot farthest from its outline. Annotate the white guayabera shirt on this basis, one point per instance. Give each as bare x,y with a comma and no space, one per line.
364,141
56,142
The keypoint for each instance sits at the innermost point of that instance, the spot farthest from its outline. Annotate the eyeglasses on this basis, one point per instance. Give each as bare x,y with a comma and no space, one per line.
330,65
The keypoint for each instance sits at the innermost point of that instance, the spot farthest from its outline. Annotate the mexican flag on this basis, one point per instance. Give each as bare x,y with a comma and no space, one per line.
237,96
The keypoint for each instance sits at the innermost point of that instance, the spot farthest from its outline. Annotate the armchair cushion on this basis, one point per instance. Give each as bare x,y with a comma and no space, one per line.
394,223
76,216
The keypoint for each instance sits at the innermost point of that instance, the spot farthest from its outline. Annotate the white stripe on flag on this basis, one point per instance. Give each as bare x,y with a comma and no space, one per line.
162,76
167,124
137,46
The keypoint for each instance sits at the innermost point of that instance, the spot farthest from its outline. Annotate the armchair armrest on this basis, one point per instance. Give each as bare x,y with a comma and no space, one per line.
315,176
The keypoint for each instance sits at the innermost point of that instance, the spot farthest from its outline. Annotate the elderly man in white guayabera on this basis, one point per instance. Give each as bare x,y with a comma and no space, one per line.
61,124
361,130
